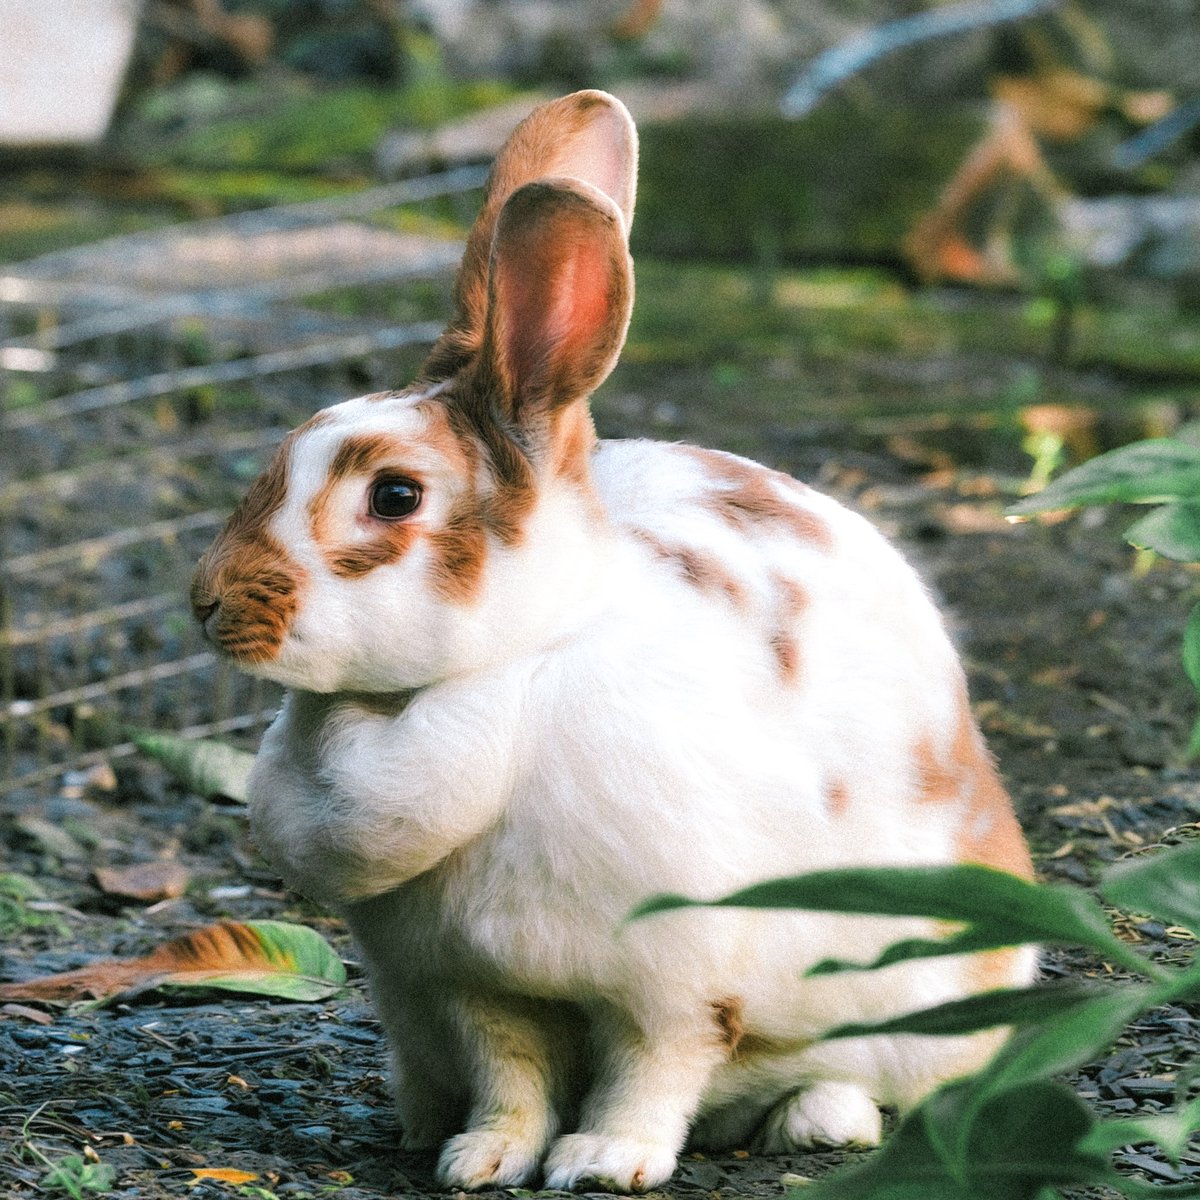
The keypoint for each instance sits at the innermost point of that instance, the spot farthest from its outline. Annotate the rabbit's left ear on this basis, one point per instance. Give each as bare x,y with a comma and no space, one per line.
560,292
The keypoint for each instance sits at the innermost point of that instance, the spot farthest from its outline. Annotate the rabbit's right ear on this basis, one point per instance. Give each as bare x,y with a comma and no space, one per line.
588,136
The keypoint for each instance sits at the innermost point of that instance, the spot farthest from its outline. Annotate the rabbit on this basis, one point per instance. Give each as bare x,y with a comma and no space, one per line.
536,677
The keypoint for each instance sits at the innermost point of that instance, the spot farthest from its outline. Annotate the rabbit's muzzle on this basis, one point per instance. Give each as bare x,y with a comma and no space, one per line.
245,595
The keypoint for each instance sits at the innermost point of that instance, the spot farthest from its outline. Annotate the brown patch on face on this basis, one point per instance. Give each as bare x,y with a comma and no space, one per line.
837,798
511,489
792,602
391,543
246,587
750,496
727,1014
460,555
705,572
965,775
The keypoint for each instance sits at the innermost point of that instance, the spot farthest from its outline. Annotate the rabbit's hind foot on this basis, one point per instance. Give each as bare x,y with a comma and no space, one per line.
826,1114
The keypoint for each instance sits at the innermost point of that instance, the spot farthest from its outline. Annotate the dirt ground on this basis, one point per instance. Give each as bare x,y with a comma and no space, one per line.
1073,658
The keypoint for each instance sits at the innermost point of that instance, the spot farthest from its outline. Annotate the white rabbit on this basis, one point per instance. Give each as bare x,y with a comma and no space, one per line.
538,678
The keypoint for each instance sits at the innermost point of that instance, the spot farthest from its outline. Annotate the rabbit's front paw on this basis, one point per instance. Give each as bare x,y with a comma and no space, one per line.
622,1164
825,1114
486,1158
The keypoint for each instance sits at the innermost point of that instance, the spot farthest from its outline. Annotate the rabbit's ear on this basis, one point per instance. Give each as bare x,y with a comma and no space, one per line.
588,136
560,291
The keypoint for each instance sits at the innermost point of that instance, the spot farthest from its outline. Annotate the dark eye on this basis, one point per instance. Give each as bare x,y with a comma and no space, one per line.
394,498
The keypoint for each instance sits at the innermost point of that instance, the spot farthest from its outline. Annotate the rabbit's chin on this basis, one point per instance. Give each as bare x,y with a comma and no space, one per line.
326,675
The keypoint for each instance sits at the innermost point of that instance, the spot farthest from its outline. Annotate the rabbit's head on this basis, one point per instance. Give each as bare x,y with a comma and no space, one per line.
397,539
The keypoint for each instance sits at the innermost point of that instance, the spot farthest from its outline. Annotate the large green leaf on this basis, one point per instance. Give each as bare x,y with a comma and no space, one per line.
1171,1130
1010,1006
205,766
1078,1035
1025,1141
1000,909
1153,470
1165,885
1172,531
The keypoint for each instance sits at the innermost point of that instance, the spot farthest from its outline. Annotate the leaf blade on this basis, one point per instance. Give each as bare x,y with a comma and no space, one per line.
1153,470
1165,885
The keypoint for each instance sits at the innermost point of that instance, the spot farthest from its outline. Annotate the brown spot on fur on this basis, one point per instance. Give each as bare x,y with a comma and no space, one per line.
392,541
988,833
250,578
750,496
727,1014
837,798
705,572
966,775
512,484
793,600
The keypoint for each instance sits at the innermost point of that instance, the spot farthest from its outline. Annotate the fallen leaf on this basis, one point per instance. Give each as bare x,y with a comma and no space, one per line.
222,1175
144,881
206,766
264,958
29,1014
50,838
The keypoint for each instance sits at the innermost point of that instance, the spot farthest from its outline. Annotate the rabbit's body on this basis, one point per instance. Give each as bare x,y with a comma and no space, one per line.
576,675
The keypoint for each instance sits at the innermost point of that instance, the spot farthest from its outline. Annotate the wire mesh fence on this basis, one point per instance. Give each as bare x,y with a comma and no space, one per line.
143,382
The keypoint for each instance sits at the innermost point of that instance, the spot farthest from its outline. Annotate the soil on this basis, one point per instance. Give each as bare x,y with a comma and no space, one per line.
1073,656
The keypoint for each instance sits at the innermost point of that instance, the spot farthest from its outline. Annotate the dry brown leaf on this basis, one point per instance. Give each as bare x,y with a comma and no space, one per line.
262,957
29,1014
150,881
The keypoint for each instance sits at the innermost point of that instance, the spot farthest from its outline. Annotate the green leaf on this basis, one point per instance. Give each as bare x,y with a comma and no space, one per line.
1154,470
1191,647
1172,531
965,941
75,1177
1170,1130
1010,1006
1024,1142
205,766
1000,909
292,962
1165,885
1076,1036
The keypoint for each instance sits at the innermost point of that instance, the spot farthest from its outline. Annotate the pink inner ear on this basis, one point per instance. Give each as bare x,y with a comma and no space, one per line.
555,305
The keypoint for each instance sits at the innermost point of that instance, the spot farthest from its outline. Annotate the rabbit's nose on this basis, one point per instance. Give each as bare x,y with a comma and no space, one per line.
203,609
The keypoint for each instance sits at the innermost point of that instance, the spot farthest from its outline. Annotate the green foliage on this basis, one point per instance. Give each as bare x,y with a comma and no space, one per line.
1161,471
1009,1132
79,1178
16,891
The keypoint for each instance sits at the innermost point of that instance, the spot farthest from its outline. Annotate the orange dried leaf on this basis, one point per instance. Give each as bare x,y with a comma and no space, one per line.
267,958
223,1174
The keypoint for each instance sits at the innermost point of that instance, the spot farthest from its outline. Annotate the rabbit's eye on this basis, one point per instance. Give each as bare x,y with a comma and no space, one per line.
394,498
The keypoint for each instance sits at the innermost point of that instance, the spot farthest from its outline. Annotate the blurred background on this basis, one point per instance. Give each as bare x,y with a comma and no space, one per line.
883,244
